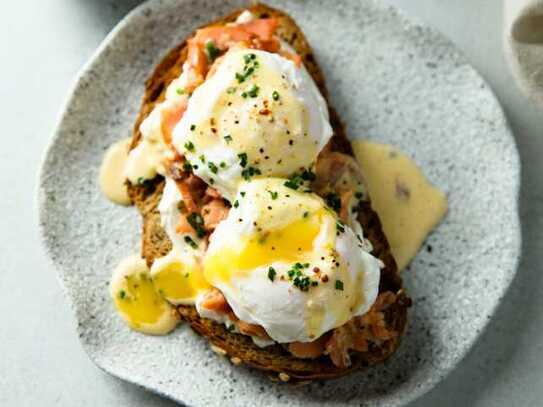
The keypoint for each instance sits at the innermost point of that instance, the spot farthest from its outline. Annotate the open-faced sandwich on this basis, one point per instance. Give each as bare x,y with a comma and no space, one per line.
257,224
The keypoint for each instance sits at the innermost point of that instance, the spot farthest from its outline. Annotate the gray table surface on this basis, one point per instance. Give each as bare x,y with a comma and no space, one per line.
44,43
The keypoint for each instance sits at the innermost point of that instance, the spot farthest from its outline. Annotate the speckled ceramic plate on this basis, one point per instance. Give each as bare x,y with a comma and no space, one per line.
392,80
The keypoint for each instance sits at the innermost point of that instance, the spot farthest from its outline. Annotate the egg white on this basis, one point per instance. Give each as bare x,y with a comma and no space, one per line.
287,313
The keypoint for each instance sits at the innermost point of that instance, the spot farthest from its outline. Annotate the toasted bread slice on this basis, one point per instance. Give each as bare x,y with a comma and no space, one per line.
155,242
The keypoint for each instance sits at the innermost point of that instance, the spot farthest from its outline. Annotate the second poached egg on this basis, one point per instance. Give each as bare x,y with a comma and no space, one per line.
284,262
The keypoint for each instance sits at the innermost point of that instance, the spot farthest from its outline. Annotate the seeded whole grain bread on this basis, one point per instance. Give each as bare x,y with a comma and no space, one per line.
155,243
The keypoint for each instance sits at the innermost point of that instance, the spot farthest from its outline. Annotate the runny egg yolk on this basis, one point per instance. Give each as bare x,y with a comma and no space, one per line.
139,301
178,282
291,243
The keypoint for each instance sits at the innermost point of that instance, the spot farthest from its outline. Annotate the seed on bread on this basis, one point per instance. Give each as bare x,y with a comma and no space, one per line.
218,350
284,377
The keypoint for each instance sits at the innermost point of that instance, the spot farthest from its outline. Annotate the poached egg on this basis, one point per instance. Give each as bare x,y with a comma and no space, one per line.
283,261
257,114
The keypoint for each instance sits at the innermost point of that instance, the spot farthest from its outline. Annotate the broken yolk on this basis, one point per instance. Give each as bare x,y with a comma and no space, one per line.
289,244
142,307
179,283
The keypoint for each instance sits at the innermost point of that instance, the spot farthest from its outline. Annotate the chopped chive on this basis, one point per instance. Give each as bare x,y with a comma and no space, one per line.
242,159
228,138
253,92
308,175
197,222
213,168
271,273
249,172
211,51
189,146
190,242
275,95
339,285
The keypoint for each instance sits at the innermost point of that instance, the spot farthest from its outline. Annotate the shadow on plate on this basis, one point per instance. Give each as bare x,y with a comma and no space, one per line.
105,14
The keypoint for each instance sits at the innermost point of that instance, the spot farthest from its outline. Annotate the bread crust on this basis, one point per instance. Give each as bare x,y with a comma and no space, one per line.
155,242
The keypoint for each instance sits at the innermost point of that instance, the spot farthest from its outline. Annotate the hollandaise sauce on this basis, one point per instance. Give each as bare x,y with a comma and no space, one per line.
407,204
112,177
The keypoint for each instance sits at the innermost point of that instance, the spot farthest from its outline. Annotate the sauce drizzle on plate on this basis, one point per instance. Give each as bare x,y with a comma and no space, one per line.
407,204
